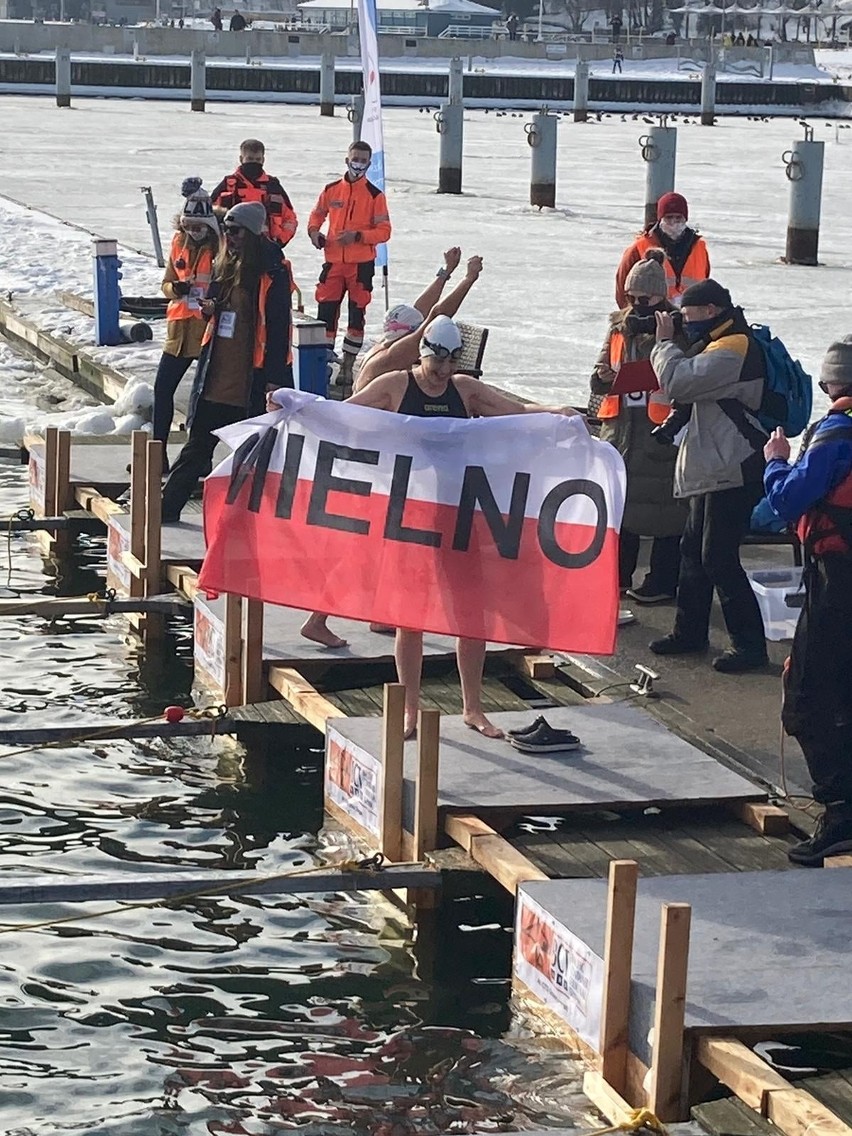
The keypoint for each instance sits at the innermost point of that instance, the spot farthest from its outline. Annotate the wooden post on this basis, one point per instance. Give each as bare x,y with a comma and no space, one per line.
153,515
233,650
665,1095
618,959
426,799
138,495
51,445
254,688
58,493
393,744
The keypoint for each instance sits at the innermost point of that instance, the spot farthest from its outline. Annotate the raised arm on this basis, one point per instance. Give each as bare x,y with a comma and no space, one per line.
451,304
433,291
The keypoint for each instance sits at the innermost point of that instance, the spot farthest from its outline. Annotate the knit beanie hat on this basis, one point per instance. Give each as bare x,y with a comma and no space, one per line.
672,203
647,277
249,215
706,292
837,364
197,207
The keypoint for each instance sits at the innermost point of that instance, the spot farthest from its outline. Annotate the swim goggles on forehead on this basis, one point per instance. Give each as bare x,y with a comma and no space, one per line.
442,352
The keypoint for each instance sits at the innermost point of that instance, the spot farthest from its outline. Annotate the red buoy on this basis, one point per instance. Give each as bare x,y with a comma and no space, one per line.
173,714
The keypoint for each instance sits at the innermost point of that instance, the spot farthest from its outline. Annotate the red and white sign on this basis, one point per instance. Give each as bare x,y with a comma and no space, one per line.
37,480
209,646
353,781
118,542
503,529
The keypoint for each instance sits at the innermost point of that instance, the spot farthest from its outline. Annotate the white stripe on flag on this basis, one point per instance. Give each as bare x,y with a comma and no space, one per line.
371,126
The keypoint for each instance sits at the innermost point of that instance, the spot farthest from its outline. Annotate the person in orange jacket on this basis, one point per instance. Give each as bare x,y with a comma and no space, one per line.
358,221
687,260
250,182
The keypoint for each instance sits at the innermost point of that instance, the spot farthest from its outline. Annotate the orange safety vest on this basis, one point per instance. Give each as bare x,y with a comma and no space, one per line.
260,325
658,405
696,268
827,525
198,275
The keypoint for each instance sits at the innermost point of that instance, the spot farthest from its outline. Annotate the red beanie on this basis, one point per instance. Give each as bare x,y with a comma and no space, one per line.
672,203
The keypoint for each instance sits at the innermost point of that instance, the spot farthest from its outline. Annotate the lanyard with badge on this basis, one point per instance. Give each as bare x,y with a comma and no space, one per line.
225,325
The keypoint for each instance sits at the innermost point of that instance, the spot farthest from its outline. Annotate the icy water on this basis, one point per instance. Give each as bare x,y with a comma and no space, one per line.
220,1015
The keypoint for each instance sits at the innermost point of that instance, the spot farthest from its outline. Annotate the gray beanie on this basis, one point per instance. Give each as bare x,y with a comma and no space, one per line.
837,364
647,277
249,215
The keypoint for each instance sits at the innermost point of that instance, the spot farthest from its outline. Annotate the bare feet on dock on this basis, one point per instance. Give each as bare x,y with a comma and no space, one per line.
382,628
409,727
316,629
477,721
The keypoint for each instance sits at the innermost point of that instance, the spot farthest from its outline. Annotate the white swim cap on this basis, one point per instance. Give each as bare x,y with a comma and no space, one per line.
401,320
442,338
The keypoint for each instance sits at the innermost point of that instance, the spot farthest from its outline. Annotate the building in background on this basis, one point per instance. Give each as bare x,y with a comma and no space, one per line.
411,17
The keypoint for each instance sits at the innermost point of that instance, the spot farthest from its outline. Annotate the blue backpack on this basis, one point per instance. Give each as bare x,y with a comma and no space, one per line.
788,391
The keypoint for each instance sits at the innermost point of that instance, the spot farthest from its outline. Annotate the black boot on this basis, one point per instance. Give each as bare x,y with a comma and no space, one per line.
833,835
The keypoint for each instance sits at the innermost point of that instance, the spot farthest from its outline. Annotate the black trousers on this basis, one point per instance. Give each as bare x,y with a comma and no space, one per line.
818,681
664,566
171,370
194,459
710,558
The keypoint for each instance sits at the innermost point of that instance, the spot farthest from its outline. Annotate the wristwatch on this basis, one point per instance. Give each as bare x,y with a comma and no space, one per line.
443,273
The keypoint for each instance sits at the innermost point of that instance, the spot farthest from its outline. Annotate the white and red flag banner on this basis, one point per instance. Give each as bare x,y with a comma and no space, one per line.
504,529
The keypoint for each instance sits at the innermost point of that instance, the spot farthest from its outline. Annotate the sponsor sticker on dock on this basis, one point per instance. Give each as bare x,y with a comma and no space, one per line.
118,542
353,781
209,646
36,479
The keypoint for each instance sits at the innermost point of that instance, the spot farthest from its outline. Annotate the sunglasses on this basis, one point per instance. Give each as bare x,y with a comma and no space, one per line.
824,388
233,228
639,299
441,352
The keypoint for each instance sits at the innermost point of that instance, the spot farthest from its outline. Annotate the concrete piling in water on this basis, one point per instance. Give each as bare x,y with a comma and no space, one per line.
327,85
804,165
455,83
450,124
197,80
541,135
355,114
63,77
581,91
708,95
659,151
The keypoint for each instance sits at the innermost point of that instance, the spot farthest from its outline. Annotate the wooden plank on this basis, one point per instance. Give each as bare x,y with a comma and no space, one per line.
233,650
536,666
735,1065
426,794
78,303
665,1093
463,829
138,463
768,820
730,1117
618,964
153,513
296,689
51,443
834,1091
63,496
606,1099
393,745
80,733
253,681
95,503
492,852
796,1112
92,607
184,578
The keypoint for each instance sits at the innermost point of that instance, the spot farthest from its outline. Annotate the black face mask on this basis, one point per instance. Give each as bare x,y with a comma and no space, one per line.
251,170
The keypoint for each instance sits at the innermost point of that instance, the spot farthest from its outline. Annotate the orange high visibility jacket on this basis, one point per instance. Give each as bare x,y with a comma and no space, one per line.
281,217
357,206
192,266
658,405
695,268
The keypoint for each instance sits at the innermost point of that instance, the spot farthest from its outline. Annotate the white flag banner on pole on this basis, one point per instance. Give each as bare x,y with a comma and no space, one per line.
371,126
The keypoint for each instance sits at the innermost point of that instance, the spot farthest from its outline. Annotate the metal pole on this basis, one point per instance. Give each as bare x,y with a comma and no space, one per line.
581,91
659,150
450,125
105,264
355,114
541,135
455,84
151,216
804,170
708,95
540,20
197,80
63,77
327,85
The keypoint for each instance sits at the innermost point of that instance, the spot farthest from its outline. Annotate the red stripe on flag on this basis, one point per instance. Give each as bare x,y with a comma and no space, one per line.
478,593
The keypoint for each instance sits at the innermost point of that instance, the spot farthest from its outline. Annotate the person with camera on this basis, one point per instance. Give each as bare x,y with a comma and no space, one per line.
628,421
245,348
719,470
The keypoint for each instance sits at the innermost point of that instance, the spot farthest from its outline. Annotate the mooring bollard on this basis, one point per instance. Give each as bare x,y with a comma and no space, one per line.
581,91
804,165
455,83
450,123
63,77
355,114
327,85
197,80
541,135
105,264
310,356
708,95
659,151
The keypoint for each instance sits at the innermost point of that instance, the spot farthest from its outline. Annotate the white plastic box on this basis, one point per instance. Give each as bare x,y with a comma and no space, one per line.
780,597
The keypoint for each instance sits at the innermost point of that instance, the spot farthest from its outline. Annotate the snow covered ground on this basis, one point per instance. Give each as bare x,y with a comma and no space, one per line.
547,285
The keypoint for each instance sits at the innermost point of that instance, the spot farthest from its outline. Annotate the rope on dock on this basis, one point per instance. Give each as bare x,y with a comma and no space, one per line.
639,1118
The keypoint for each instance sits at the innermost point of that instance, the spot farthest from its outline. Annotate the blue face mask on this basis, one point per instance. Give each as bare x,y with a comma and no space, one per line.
697,329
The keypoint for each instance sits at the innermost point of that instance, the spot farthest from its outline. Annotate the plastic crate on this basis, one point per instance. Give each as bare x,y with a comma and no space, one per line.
780,597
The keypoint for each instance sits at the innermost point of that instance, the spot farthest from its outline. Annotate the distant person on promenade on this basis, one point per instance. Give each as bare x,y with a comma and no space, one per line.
719,469
237,23
250,182
816,491
628,420
216,19
617,60
358,221
687,260
185,283
245,348
512,26
616,23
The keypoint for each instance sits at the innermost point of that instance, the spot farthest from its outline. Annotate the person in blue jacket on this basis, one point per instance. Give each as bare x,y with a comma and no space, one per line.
816,492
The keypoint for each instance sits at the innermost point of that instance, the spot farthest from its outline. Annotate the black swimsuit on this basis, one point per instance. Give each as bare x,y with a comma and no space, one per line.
419,404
